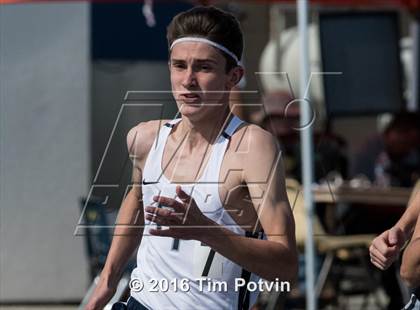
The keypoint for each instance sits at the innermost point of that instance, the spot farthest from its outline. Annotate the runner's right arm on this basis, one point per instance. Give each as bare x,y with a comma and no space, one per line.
127,233
386,247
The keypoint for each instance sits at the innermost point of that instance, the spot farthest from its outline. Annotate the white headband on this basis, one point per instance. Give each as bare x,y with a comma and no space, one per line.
203,40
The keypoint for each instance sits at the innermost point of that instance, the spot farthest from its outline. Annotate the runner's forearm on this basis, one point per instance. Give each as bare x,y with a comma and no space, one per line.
268,259
408,220
127,236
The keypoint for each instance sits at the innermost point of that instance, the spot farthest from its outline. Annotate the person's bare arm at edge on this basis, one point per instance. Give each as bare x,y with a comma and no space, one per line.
263,174
410,267
129,225
386,247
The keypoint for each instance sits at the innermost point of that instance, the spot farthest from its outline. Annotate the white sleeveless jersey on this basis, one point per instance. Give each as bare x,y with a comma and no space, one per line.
162,261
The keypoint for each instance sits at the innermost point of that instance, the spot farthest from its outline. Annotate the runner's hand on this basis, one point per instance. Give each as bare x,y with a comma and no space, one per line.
386,248
100,297
184,219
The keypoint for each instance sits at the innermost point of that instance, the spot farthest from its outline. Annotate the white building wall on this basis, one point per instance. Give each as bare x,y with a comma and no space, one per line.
44,150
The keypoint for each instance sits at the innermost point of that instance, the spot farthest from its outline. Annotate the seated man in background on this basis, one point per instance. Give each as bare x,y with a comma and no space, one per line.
393,157
389,159
280,116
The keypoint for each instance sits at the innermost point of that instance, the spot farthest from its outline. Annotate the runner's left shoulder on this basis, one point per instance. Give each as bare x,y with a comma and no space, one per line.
251,137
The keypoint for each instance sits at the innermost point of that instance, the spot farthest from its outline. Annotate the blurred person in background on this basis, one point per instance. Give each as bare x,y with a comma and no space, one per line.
280,116
391,158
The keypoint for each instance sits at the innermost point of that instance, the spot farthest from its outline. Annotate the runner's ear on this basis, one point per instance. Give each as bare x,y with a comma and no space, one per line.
236,75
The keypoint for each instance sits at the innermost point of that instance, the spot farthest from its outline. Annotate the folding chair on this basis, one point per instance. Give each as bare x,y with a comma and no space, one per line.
337,249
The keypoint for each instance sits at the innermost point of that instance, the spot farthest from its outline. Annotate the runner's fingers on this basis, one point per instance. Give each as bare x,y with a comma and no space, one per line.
169,232
374,252
384,249
162,220
379,260
378,264
161,232
153,218
167,216
169,202
158,211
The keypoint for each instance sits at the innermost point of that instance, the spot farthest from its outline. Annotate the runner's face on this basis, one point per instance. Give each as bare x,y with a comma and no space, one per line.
198,77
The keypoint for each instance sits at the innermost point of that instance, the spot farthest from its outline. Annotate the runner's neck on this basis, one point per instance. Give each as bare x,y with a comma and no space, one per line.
202,133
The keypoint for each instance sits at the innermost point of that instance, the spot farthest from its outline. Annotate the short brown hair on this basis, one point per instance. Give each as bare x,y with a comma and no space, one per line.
210,23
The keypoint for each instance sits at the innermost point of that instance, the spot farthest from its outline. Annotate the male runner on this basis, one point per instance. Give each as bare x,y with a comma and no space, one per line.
208,184
385,249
